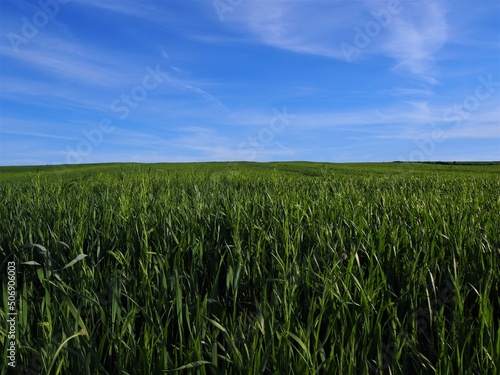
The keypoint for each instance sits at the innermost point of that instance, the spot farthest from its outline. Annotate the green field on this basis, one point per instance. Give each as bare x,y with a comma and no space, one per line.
253,268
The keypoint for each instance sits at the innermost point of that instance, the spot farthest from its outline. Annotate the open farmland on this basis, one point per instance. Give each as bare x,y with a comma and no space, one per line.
246,268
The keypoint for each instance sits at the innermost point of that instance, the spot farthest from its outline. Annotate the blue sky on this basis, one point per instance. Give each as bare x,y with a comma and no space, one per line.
85,81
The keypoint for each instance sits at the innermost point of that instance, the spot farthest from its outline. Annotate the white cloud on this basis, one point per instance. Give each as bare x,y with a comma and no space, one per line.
412,37
65,60
303,27
415,36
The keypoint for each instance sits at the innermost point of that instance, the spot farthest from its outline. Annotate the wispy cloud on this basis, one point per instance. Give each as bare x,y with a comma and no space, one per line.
286,24
415,36
185,84
34,134
412,37
406,91
63,60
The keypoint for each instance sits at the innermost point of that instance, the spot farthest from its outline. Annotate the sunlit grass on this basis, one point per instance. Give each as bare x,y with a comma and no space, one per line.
248,269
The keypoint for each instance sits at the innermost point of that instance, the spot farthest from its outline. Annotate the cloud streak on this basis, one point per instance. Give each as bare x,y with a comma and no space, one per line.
411,38
415,37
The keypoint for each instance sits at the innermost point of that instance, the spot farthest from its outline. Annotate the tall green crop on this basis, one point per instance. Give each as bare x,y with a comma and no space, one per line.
253,268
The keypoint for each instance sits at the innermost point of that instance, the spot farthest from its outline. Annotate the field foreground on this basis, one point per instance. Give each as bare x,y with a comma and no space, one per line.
246,268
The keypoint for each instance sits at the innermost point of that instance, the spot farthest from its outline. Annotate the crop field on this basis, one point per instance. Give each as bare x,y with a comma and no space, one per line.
251,268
